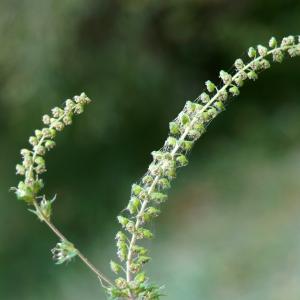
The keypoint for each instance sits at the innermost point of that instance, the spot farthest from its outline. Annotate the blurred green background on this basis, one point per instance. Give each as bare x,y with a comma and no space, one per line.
230,229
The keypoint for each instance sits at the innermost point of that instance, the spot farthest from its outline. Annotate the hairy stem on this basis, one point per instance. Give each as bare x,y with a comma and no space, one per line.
79,254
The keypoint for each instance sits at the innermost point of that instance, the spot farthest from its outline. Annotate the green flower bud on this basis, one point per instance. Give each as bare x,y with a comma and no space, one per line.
182,160
239,64
187,145
40,150
174,128
251,52
272,43
70,104
67,120
136,189
278,56
252,75
164,183
140,278
49,144
152,211
46,119
25,193
295,51
64,252
147,180
226,77
158,197
57,112
121,283
33,140
264,64
219,106
123,221
46,132
210,86
133,205
204,97
234,90
25,152
262,51
116,268
147,233
39,160
288,41
171,142
78,109
20,170
59,126
222,95
185,119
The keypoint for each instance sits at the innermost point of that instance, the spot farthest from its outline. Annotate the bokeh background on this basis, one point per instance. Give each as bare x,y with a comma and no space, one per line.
230,229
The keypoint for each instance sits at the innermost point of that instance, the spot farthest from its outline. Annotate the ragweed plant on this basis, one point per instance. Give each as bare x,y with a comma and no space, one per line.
148,194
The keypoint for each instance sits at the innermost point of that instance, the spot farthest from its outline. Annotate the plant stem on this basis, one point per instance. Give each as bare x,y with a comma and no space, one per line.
79,254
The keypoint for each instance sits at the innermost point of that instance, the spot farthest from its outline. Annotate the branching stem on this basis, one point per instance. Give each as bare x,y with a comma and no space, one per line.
79,254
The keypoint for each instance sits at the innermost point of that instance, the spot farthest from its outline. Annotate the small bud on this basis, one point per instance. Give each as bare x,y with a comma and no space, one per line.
171,142
33,140
140,278
46,119
288,41
262,51
121,283
219,106
25,152
20,170
46,132
272,42
123,221
278,56
210,86
174,128
251,52
133,205
116,268
164,183
234,90
147,180
252,75
78,109
222,95
204,98
136,189
70,104
67,120
158,197
49,144
39,161
239,64
226,77
40,150
187,145
264,64
59,126
147,233
182,160
184,118
57,112
64,252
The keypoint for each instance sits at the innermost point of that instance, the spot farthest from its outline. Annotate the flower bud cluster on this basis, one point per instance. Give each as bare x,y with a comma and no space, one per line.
64,251
189,126
33,162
